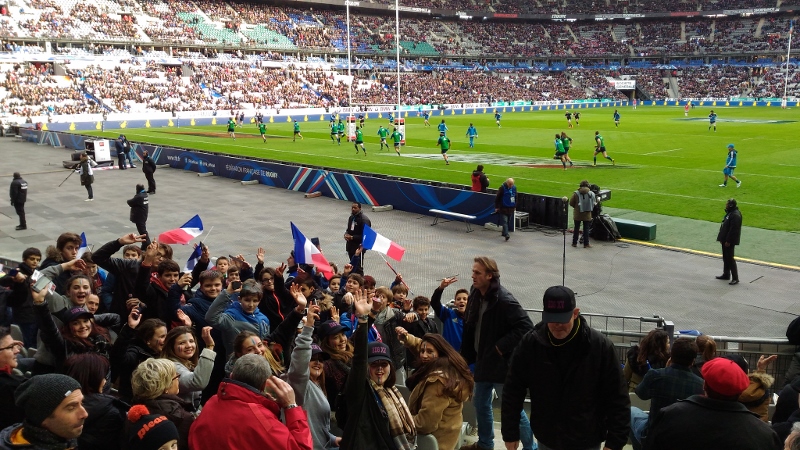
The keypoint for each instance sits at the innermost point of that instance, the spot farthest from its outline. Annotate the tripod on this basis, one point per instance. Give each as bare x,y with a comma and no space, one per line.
71,171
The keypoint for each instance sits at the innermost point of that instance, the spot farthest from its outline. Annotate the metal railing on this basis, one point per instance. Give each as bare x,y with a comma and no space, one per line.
626,331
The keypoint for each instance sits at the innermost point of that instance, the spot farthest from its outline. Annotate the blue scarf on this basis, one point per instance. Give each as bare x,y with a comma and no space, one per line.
257,319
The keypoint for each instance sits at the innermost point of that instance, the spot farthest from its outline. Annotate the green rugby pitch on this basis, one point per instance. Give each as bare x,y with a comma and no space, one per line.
665,163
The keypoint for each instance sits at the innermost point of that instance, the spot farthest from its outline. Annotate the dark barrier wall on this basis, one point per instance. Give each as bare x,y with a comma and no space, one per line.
403,194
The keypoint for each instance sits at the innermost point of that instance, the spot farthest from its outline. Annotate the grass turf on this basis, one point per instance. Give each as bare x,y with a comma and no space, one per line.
665,163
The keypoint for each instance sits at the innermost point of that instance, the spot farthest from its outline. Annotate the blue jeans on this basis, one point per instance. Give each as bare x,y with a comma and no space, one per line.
507,221
482,399
639,420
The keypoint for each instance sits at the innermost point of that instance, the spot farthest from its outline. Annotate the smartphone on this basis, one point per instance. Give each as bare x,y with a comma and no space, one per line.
236,285
41,283
305,312
13,272
239,260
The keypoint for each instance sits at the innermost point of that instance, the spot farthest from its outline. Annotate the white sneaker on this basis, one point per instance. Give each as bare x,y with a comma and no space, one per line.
88,199
738,184
723,185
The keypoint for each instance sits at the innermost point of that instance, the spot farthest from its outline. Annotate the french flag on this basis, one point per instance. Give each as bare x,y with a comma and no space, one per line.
305,252
84,246
376,242
193,258
184,234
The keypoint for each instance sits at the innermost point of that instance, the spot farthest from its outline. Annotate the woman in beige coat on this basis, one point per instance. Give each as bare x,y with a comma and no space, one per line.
439,387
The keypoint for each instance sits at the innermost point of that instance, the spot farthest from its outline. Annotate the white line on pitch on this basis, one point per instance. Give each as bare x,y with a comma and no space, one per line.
663,151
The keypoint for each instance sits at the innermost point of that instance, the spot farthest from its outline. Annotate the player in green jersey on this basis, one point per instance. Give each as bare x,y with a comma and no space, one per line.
600,147
444,143
383,132
396,137
232,128
566,141
262,128
560,153
296,131
360,141
334,130
339,131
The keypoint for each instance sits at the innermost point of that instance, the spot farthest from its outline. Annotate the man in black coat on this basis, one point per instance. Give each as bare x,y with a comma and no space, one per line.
579,397
493,326
713,421
119,145
140,208
354,234
19,195
729,233
149,168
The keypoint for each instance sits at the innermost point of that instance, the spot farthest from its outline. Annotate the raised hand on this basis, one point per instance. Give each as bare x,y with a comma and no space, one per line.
299,298
134,318
348,268
75,264
362,303
334,314
260,255
281,269
132,238
242,262
411,317
131,303
206,333
185,280
312,316
401,333
205,257
447,282
348,298
187,321
151,254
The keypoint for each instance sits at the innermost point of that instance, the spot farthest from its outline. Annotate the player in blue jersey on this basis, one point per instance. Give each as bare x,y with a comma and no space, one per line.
730,166
616,118
442,127
497,117
712,121
426,115
472,133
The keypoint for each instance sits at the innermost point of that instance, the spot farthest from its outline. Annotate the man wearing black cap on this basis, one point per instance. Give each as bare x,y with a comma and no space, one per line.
140,207
54,414
579,398
729,233
19,195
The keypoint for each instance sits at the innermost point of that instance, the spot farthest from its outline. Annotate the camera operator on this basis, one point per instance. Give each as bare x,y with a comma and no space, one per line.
583,201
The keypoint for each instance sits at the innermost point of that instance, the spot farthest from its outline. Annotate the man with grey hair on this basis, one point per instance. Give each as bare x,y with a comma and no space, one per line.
246,411
793,440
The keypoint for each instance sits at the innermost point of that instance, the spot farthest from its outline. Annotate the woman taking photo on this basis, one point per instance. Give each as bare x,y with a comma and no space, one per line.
651,353
194,370
376,414
138,341
79,334
155,385
103,427
439,387
87,174
307,379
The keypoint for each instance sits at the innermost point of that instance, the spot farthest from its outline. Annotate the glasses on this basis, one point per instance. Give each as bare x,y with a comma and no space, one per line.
381,364
176,377
11,347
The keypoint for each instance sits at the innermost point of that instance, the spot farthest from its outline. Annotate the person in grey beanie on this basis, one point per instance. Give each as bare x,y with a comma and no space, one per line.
54,414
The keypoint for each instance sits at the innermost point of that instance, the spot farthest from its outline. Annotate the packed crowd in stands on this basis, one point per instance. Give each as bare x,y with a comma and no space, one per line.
325,29
715,82
132,353
32,90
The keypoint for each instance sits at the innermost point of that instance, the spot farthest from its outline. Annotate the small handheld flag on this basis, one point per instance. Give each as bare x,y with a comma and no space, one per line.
184,234
376,242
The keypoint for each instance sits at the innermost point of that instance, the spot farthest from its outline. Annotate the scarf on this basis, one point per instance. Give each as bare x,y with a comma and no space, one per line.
401,423
257,319
42,439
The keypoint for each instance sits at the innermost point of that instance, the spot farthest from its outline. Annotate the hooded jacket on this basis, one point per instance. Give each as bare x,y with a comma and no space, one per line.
140,207
579,202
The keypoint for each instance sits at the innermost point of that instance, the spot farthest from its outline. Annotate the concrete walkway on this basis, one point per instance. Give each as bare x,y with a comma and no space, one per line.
612,278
